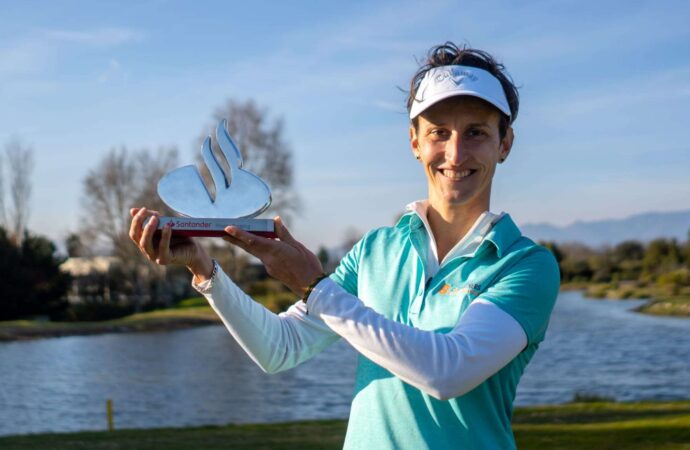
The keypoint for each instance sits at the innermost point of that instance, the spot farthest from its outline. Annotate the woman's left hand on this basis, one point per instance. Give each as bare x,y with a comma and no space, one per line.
286,260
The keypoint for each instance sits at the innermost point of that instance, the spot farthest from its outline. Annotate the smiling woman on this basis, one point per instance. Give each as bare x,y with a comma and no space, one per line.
446,308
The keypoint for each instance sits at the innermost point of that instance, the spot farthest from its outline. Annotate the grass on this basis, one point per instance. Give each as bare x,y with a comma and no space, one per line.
159,320
187,313
591,426
660,301
594,426
668,306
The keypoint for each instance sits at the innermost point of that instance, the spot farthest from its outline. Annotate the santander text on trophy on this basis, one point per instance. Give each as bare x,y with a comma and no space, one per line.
239,195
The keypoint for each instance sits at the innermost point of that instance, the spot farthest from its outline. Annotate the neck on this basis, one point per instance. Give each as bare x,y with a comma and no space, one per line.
450,223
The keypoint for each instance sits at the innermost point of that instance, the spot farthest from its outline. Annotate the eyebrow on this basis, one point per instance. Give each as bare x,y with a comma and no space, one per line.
473,124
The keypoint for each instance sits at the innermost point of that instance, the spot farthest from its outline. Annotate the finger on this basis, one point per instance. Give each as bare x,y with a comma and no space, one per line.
135,226
232,240
282,231
133,211
164,245
256,245
146,241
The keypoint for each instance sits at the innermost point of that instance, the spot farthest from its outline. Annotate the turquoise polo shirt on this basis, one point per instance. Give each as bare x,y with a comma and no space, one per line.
386,271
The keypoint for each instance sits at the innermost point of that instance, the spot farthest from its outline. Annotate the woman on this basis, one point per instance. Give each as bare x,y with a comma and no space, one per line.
446,308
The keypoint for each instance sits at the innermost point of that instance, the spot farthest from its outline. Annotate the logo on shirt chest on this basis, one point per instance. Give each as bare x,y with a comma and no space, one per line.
470,288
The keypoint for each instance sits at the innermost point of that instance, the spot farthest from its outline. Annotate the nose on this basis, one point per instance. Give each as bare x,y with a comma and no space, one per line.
454,150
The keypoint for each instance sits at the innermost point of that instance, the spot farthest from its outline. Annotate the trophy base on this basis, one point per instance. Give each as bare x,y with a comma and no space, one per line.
206,227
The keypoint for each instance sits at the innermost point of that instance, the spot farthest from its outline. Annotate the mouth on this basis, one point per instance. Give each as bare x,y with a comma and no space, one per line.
457,175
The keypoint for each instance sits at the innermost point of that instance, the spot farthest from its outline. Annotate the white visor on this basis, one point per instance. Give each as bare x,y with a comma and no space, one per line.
443,82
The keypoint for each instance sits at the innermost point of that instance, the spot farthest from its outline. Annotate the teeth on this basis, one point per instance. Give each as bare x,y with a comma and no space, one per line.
455,175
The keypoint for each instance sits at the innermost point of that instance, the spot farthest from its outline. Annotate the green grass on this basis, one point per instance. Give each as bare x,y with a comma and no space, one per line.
159,320
187,313
594,426
660,302
296,435
590,426
668,306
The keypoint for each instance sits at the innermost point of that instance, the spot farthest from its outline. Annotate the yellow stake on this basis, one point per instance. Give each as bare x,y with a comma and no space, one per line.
109,413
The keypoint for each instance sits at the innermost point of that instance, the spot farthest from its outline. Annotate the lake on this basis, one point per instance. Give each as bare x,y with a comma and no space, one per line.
200,376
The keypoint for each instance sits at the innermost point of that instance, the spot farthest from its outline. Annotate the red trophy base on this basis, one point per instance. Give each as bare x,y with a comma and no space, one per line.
192,226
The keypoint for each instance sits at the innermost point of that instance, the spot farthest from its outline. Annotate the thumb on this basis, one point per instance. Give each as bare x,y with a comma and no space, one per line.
282,232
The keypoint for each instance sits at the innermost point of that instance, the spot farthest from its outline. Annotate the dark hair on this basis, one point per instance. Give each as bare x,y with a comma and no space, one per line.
450,54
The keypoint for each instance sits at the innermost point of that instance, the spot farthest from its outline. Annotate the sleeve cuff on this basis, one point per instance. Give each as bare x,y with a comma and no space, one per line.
205,287
324,291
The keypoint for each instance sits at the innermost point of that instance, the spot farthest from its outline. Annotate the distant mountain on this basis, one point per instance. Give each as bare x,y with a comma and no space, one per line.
642,227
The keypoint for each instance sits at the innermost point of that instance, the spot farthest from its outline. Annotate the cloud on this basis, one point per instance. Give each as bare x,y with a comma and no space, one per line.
627,29
113,72
639,88
23,57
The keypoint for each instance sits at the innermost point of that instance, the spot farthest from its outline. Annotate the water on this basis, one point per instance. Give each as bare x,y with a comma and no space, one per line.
602,347
200,376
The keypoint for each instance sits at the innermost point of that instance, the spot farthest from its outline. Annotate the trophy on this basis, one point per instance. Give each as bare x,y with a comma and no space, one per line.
239,195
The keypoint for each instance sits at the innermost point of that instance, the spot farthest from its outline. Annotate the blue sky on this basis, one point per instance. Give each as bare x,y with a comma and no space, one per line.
602,129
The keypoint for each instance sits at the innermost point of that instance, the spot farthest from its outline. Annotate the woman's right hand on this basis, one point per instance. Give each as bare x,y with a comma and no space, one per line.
168,249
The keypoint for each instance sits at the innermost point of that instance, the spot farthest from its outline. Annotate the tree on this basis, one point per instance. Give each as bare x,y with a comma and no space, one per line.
32,281
264,151
74,246
661,255
3,217
628,250
20,164
323,256
122,180
686,251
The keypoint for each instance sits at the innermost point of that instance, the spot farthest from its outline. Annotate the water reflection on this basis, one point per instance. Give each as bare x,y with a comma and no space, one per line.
200,376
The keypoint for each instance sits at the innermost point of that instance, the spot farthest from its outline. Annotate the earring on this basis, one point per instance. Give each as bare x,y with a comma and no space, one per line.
417,156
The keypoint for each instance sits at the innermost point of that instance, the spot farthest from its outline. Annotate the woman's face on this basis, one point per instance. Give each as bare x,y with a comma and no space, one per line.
458,144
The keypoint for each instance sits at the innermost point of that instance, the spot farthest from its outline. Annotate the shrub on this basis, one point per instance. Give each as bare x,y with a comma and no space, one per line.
96,312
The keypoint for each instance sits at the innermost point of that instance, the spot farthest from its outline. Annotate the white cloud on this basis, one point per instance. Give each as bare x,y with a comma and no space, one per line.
113,72
638,89
23,57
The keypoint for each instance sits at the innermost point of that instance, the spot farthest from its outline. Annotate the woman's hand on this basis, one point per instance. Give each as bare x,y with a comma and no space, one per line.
167,249
286,260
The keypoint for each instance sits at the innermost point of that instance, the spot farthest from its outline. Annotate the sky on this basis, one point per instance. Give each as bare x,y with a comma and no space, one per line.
601,132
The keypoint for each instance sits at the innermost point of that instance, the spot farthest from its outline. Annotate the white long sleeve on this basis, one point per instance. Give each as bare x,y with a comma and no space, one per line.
275,342
443,365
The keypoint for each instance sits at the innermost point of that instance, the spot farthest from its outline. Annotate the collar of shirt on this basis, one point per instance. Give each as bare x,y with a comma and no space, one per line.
466,246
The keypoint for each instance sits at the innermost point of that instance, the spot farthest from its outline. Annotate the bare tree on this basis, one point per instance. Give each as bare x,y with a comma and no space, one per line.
20,164
123,179
264,151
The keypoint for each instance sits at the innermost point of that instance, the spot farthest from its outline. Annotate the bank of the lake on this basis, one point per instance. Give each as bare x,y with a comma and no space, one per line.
658,301
160,320
633,426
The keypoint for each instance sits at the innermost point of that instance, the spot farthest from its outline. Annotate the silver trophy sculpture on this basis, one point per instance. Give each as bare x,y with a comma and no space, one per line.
239,195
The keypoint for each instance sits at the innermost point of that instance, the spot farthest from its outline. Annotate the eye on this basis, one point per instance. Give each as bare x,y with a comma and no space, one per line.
439,133
475,132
